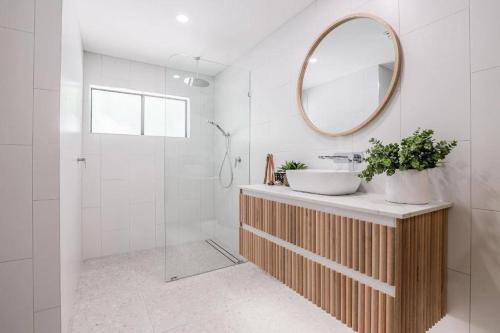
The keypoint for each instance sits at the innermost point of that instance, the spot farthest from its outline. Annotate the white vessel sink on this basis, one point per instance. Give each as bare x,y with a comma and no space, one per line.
327,182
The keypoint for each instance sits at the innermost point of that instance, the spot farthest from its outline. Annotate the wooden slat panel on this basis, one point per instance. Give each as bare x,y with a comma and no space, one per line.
355,244
361,246
368,249
368,309
361,308
349,243
348,301
343,241
383,254
354,303
390,256
420,271
374,311
375,250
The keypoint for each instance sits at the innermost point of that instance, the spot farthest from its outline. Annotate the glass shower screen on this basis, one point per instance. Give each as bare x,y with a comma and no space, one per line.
200,191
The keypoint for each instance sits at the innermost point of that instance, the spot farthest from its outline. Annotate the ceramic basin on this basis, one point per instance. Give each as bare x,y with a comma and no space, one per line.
327,182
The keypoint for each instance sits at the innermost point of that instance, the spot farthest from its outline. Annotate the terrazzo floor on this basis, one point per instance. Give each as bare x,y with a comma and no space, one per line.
127,294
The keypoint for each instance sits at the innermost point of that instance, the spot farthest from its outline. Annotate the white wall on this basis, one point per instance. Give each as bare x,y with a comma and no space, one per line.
450,49
30,37
71,146
123,183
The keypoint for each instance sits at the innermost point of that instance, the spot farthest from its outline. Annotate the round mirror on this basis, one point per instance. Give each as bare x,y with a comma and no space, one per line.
349,75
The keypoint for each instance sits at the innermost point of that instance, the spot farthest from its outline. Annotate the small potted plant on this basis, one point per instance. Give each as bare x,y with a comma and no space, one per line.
406,165
288,165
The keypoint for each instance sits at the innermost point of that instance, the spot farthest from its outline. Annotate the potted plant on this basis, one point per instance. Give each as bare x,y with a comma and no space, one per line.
406,165
288,165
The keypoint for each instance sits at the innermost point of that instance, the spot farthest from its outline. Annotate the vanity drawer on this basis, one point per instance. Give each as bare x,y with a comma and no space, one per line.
373,277
363,246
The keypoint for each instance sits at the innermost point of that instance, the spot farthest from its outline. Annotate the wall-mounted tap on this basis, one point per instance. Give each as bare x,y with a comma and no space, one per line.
352,158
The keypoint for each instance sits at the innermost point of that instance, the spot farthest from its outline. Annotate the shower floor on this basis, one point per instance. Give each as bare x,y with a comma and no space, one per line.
127,294
195,258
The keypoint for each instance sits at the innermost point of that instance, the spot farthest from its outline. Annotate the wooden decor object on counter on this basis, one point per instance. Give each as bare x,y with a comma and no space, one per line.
377,269
269,173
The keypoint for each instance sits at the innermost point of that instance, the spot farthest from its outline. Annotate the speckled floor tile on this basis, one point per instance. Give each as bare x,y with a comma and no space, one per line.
127,294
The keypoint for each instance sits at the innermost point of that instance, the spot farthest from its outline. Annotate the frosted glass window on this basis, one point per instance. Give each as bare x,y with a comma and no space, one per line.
116,112
136,113
165,116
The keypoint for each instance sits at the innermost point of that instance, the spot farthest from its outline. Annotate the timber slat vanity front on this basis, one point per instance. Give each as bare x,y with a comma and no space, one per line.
377,267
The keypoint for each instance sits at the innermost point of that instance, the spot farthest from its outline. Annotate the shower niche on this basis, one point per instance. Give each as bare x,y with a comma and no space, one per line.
203,170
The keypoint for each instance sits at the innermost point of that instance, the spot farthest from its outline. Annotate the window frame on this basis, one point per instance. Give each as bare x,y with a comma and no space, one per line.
143,96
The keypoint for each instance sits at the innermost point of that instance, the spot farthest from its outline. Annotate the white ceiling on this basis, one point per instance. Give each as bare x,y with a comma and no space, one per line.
147,30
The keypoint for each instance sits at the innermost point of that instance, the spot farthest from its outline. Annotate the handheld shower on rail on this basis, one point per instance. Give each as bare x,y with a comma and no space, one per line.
213,123
227,156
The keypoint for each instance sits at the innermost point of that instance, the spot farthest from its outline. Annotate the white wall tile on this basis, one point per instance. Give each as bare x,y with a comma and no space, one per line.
16,289
46,254
116,71
416,14
386,9
91,232
386,126
48,44
485,138
147,78
46,117
451,182
142,179
115,205
48,321
457,316
16,82
15,203
485,287
142,227
115,242
46,145
17,14
436,89
485,29
91,181
46,172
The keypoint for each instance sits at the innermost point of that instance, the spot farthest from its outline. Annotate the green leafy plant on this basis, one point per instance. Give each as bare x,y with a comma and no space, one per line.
419,151
292,165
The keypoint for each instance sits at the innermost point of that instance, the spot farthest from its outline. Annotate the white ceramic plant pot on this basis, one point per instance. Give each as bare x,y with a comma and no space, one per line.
409,186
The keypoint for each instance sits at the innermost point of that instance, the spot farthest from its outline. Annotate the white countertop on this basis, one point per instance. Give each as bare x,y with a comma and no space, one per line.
369,203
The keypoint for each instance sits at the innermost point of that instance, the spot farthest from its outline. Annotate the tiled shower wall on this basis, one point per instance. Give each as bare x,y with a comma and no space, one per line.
232,111
124,180
30,39
450,82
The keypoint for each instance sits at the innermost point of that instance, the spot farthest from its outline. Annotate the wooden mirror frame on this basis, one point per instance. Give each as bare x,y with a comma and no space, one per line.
392,85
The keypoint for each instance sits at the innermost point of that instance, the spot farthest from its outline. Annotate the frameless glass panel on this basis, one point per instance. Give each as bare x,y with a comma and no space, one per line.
201,203
115,112
165,116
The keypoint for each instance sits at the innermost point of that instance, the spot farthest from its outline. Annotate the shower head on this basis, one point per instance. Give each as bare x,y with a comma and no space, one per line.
196,82
213,123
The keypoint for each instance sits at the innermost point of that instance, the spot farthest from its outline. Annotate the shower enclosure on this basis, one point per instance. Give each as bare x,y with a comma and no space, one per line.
203,169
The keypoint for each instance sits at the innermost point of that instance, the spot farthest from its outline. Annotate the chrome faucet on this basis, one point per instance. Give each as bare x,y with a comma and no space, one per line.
353,158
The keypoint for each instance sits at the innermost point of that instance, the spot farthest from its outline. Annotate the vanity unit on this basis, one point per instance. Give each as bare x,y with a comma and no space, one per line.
375,266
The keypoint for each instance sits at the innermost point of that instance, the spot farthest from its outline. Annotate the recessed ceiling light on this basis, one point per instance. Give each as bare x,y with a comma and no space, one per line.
313,60
182,18
176,76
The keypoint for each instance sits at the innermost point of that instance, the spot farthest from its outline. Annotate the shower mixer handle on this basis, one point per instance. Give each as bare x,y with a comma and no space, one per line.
237,160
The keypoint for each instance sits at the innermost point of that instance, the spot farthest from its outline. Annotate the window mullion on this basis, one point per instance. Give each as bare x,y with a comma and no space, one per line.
142,114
